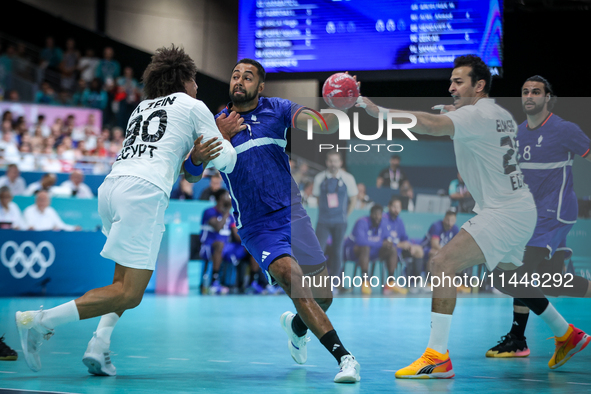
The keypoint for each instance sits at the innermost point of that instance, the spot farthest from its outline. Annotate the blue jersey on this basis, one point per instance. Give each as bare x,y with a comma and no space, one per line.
545,157
395,229
365,234
208,234
261,184
438,231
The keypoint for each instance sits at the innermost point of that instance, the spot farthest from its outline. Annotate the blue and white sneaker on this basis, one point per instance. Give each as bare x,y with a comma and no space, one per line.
32,334
349,370
296,345
98,358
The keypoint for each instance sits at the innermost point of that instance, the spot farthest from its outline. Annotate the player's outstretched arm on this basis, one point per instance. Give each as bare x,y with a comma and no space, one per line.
427,123
200,155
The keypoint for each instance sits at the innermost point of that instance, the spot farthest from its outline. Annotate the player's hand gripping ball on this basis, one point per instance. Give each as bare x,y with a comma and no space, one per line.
340,91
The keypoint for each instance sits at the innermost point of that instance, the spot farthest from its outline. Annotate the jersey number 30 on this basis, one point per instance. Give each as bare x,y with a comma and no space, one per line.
138,122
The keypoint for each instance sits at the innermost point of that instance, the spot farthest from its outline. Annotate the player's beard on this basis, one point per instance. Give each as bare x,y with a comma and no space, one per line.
247,97
536,109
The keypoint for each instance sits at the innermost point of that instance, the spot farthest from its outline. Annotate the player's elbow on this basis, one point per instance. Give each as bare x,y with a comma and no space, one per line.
226,161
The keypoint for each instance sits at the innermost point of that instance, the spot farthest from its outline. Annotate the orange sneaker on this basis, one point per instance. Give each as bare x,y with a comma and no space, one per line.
568,345
431,365
366,288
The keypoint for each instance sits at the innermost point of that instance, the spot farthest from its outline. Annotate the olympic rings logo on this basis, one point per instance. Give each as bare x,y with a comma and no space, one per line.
26,260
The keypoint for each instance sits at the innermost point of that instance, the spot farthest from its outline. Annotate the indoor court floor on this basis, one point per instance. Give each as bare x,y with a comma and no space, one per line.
234,344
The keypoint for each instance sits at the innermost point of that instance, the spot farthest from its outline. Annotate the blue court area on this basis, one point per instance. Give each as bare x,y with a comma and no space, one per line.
234,344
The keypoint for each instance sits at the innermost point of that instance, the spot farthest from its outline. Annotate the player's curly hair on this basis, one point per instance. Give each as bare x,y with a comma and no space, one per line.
479,70
547,89
170,68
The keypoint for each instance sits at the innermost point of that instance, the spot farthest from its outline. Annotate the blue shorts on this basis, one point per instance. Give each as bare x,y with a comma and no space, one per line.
232,252
551,234
349,254
289,235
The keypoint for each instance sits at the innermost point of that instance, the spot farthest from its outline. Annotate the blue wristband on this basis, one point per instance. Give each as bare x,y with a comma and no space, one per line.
192,168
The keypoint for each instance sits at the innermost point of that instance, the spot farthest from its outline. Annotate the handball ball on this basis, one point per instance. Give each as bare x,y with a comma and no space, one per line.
340,91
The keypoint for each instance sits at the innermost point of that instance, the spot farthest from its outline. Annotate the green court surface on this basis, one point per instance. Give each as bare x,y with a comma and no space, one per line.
234,344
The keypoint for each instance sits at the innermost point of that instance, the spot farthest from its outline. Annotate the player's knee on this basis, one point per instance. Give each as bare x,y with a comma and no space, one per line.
439,264
217,247
324,302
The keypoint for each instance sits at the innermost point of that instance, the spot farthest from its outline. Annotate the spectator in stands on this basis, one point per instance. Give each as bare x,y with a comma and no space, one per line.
46,183
94,96
309,200
45,95
45,130
336,191
69,66
51,56
300,174
10,213
87,65
76,185
410,252
42,217
439,234
215,184
369,242
460,197
108,69
407,196
27,161
127,96
78,93
8,147
49,162
391,176
184,190
13,180
363,201
6,67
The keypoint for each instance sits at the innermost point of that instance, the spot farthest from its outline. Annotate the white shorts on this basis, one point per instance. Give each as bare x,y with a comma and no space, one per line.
132,211
502,234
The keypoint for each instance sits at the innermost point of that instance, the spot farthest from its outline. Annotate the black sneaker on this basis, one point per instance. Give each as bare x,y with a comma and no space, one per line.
509,346
6,353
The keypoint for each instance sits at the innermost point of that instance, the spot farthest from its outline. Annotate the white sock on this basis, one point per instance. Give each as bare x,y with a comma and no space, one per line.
106,326
555,321
440,327
61,314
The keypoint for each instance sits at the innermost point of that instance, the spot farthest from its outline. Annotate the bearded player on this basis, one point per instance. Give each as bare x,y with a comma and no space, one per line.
273,225
484,142
547,145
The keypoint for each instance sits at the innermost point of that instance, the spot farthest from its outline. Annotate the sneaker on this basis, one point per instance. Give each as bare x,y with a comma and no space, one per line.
393,288
98,358
296,345
217,288
576,340
509,346
431,365
255,288
366,288
32,334
270,289
6,353
349,370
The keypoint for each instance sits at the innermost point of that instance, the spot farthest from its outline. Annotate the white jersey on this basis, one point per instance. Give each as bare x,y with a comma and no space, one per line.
160,134
484,144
